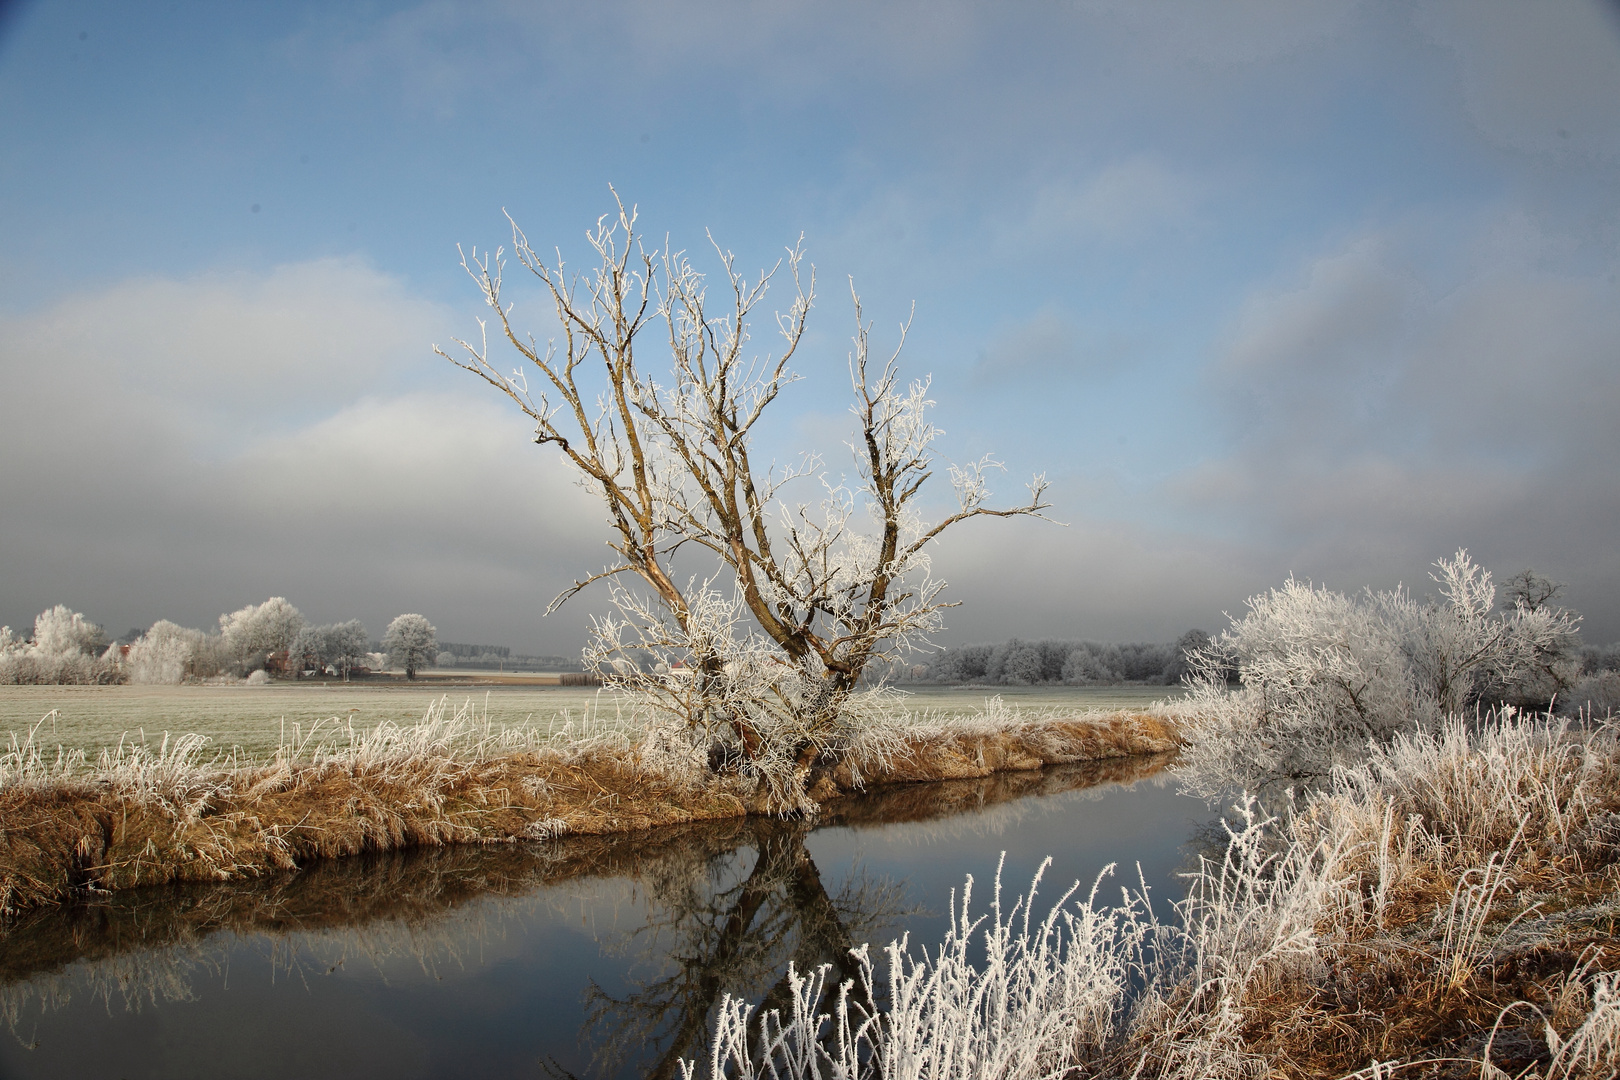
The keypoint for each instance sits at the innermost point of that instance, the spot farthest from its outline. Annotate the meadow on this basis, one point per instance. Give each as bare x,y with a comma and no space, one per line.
255,720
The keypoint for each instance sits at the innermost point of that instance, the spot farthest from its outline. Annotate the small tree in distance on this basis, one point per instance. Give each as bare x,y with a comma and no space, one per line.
411,643
763,657
252,635
339,646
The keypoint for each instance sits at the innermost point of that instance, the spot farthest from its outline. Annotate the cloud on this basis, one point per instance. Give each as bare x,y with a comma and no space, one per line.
1383,413
1104,580
179,448
443,56
1541,78
1246,32
237,352
1117,204
1047,346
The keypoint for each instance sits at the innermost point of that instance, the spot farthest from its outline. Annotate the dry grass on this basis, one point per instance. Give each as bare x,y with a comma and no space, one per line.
1447,909
144,815
1476,898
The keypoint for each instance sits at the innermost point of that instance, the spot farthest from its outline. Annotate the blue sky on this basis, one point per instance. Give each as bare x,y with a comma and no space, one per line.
1266,287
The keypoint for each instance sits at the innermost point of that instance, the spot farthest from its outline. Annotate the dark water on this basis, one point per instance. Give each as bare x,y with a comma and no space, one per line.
588,957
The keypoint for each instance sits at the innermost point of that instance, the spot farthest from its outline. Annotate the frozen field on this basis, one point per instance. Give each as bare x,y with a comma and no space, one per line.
255,718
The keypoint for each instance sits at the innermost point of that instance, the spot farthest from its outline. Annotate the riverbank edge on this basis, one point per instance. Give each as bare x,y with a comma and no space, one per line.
160,819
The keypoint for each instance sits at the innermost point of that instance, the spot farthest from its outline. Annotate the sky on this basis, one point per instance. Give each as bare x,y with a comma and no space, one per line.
1265,287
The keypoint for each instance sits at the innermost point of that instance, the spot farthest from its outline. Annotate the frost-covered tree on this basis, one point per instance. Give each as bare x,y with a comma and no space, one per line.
165,654
65,648
1322,675
1087,665
1018,662
411,643
760,639
346,644
1529,590
338,646
252,634
62,631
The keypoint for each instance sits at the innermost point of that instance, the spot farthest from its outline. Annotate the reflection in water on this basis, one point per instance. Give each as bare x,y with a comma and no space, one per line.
726,906
737,938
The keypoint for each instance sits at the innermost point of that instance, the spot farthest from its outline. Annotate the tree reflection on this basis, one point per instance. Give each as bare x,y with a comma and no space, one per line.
711,938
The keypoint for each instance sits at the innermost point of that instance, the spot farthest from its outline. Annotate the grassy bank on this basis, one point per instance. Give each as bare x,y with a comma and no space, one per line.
137,946
1447,909
143,815
258,719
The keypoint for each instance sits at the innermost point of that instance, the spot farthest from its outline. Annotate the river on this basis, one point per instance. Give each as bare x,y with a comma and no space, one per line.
583,957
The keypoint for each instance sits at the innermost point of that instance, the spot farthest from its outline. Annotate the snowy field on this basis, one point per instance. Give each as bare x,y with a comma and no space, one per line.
257,718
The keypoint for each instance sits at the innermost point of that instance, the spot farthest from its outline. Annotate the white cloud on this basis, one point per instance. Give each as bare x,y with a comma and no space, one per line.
236,352
1381,417
1106,580
1542,77
1047,346
143,481
1243,32
1119,203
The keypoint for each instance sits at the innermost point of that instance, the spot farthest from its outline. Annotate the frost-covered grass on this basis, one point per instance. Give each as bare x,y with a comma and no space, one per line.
257,719
1445,908
93,718
147,811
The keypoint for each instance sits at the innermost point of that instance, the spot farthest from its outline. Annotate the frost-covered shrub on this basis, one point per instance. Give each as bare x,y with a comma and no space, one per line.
1323,675
250,635
63,631
1596,659
166,654
65,648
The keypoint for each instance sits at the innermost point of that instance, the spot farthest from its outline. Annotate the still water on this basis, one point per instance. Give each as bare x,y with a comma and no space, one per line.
585,957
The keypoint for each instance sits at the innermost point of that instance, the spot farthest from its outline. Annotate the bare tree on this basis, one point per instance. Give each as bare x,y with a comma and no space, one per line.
762,657
1529,590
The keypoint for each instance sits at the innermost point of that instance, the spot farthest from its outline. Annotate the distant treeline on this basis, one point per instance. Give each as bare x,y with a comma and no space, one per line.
1076,663
500,657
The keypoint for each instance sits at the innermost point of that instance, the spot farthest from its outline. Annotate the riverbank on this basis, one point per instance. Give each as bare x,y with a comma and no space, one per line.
147,816
1447,909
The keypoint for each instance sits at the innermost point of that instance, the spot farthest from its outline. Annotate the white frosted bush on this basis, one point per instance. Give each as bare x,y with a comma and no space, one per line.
1097,990
1322,675
61,631
1597,694
64,649
165,654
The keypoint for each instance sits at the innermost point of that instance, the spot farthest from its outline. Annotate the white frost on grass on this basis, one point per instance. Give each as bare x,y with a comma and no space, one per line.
1114,991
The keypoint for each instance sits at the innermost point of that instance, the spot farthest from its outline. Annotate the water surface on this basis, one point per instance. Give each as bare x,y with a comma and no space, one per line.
585,957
